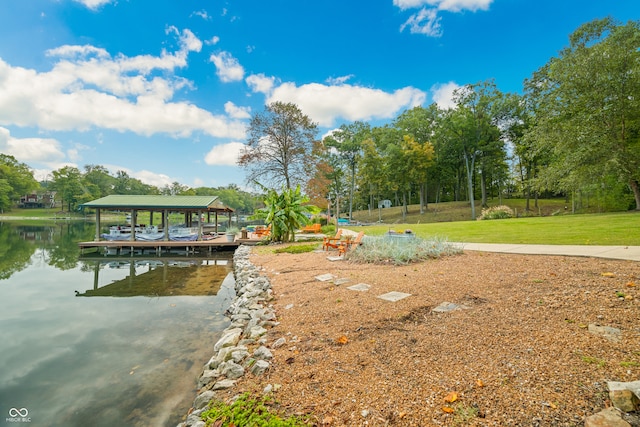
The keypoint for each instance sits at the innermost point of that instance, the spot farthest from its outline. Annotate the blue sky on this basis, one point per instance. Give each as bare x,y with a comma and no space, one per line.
164,89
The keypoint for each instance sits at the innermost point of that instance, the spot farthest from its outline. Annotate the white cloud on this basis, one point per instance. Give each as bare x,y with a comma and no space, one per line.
260,83
237,112
224,154
339,80
442,94
159,180
213,40
227,67
202,14
46,151
428,21
88,88
425,22
94,4
449,5
326,104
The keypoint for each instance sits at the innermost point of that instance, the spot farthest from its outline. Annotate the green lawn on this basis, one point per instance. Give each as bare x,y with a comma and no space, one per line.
590,229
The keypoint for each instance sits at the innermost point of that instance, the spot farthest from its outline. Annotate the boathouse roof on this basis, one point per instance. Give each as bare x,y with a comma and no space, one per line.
147,202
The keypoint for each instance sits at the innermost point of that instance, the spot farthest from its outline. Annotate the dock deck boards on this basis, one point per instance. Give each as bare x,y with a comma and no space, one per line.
160,245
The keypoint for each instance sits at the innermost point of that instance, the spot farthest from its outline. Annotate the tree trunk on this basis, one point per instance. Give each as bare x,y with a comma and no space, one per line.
404,206
635,187
469,168
351,190
483,188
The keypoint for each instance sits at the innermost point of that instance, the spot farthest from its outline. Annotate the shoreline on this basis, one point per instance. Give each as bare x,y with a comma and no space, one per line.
242,346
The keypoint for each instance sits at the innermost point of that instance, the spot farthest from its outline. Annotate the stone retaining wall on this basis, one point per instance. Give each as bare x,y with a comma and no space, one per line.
242,347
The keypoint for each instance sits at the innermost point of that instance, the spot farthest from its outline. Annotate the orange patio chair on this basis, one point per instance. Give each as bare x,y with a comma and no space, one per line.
332,242
346,245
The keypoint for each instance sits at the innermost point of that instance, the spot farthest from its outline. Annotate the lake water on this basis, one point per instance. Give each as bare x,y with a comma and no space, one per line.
102,341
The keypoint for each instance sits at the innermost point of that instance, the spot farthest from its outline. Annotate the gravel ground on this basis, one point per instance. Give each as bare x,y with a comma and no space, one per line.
519,354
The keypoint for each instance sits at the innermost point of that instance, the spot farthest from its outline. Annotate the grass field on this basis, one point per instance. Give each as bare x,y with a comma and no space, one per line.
587,229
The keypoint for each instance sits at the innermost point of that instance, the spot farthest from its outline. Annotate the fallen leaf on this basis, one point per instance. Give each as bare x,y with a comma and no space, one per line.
451,397
631,284
607,274
479,383
448,409
401,415
553,406
342,340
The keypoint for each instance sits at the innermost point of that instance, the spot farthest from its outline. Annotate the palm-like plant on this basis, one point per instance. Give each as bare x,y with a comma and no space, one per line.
286,212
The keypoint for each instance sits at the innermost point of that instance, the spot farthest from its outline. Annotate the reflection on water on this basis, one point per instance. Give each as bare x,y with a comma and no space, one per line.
103,361
158,277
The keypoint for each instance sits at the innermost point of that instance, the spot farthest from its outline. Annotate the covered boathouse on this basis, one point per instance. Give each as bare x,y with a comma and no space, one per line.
190,234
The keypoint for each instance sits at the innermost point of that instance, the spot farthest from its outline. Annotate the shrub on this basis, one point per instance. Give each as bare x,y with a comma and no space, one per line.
297,249
496,212
245,411
381,250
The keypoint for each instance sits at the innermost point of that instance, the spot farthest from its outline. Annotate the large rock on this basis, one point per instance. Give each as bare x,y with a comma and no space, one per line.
203,399
624,396
231,370
260,367
229,338
608,418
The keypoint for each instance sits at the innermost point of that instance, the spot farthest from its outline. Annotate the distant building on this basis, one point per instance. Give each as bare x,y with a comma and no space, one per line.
44,200
384,204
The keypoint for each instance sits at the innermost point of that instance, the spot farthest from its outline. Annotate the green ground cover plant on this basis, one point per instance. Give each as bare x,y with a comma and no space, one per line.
248,411
297,249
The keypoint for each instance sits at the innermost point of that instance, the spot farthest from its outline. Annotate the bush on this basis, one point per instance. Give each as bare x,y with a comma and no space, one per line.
496,212
246,411
383,250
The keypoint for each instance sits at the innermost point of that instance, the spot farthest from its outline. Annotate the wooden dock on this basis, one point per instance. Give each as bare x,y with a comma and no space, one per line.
140,247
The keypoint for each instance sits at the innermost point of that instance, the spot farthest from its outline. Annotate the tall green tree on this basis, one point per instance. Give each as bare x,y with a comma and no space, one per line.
347,140
481,111
588,108
98,181
67,181
372,174
279,144
16,179
419,123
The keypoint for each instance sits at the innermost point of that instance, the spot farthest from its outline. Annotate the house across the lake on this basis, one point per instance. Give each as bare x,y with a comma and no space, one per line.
42,200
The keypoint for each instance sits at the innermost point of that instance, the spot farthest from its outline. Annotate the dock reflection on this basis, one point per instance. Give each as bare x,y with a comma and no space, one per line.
157,277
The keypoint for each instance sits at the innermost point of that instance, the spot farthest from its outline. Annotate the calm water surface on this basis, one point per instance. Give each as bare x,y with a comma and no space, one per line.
102,341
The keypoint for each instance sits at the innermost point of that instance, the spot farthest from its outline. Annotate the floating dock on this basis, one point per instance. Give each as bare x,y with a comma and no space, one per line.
139,247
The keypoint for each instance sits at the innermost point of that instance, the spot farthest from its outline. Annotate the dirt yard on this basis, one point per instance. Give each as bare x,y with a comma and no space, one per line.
517,352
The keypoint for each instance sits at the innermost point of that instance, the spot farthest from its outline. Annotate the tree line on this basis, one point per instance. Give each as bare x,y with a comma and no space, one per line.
574,131
74,187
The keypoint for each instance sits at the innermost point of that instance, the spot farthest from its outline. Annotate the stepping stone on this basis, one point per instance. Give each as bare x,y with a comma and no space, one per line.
325,277
359,287
609,333
335,258
393,296
342,281
446,307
